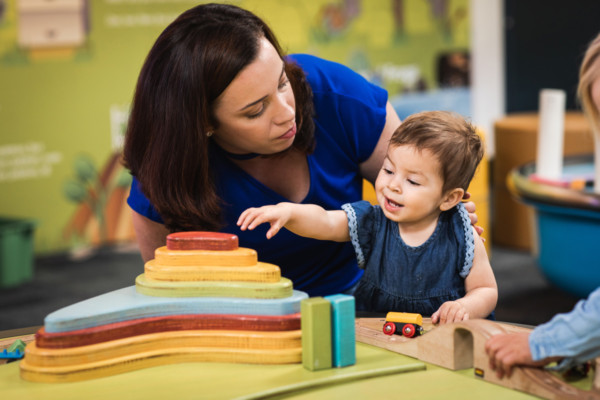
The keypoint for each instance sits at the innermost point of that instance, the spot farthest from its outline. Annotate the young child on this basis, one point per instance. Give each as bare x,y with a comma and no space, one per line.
418,248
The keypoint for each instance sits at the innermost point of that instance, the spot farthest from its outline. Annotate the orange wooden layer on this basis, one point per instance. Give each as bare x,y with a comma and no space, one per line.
142,326
193,240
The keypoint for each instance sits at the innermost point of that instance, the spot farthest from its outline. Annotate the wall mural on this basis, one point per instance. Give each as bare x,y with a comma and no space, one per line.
68,70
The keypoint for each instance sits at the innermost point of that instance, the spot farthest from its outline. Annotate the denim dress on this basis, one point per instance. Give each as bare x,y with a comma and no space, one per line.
403,278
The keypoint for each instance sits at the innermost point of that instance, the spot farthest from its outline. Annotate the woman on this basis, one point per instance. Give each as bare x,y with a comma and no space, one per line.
574,337
222,121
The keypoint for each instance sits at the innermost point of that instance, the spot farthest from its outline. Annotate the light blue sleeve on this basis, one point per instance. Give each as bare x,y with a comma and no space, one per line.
574,335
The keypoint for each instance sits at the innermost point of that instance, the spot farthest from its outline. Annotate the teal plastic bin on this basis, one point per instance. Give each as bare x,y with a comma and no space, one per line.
16,251
568,225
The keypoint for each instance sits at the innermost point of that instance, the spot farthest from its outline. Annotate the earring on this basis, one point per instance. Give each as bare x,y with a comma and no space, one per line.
209,133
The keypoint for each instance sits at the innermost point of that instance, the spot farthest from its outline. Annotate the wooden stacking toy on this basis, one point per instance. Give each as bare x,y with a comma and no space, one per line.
202,298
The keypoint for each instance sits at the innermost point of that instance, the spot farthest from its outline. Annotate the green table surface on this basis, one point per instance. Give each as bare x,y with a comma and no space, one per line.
377,374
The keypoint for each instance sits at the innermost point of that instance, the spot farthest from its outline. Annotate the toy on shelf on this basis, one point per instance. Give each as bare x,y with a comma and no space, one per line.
406,324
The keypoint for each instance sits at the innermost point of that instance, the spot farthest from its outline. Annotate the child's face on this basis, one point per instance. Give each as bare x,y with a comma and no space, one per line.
409,185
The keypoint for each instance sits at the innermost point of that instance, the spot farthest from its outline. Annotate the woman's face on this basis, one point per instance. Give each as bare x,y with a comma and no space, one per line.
257,111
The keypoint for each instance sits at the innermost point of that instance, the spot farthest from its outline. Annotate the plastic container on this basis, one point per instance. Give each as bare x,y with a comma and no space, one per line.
568,226
16,251
569,240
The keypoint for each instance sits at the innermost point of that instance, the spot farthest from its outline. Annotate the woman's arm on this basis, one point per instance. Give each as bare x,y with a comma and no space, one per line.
370,168
150,235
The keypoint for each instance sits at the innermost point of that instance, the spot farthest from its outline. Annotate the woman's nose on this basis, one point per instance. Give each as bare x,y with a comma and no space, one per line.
285,110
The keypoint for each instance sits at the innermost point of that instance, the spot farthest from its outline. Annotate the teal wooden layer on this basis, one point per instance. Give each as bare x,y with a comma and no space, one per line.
125,304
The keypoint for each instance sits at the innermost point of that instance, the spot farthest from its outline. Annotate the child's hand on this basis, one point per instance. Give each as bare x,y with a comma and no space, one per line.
507,350
276,215
450,311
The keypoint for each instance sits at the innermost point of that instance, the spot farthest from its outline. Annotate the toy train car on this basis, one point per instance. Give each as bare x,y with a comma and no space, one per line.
405,324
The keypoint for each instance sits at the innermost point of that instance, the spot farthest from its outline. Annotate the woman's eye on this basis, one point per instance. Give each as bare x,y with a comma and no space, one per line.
284,82
257,114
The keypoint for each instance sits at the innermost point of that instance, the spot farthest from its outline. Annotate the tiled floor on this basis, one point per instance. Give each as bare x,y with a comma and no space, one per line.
524,294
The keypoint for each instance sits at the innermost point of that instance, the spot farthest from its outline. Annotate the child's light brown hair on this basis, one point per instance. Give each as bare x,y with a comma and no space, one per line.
450,137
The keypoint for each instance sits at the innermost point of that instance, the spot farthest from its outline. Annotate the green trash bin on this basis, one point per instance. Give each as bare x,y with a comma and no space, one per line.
16,251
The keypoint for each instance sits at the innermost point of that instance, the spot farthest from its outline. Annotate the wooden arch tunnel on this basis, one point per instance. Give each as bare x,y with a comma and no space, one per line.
462,345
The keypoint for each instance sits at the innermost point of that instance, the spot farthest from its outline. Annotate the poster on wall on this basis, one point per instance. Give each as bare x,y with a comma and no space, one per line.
68,70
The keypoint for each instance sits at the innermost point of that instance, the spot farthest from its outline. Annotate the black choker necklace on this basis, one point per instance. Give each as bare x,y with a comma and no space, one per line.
247,156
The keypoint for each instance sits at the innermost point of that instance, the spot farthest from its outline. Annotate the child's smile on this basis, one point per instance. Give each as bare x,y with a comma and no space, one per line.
391,205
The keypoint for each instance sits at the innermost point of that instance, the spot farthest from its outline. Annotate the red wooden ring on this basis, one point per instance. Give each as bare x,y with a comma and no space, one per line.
197,240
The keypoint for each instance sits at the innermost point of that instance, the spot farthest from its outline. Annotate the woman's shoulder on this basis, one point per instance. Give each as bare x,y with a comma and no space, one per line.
330,76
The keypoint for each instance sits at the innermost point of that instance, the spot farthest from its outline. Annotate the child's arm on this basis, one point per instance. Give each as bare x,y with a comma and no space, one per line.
306,220
481,288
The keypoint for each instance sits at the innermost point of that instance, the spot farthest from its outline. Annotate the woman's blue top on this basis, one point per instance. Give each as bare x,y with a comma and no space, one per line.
415,279
350,116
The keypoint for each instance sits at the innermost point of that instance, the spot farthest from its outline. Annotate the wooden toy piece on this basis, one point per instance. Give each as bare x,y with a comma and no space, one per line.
343,338
406,324
11,355
240,257
261,272
142,326
316,333
154,355
202,241
115,349
254,290
126,304
461,345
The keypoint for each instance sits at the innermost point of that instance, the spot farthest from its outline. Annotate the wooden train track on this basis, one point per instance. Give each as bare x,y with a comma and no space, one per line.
462,345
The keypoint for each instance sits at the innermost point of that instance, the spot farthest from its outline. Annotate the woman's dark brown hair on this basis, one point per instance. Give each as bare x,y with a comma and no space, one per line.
192,62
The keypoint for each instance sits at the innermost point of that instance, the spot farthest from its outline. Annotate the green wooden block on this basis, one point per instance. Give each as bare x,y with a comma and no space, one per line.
316,333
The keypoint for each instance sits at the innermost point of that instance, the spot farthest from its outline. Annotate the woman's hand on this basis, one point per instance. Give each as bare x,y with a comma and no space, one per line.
470,207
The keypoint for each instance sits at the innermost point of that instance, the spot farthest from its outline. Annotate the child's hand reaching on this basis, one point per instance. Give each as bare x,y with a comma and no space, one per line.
276,215
450,311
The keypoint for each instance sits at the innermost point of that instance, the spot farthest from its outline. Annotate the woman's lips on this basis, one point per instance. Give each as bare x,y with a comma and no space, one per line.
289,134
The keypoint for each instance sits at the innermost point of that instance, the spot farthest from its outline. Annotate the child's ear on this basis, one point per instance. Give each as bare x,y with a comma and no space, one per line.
451,198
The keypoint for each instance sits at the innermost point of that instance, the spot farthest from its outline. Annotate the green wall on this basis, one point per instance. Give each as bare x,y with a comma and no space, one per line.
62,109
